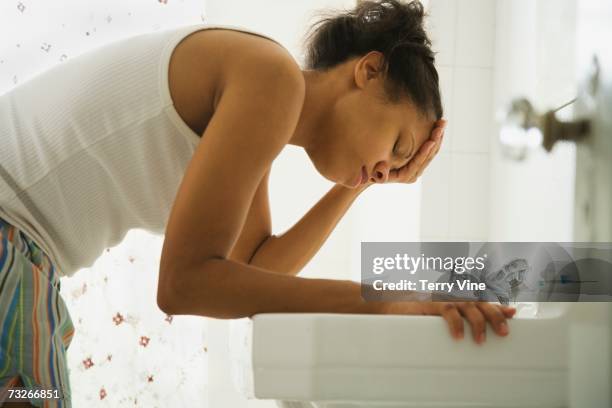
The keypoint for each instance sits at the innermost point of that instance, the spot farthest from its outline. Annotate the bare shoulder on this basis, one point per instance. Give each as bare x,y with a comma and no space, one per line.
241,56
267,61
272,81
206,61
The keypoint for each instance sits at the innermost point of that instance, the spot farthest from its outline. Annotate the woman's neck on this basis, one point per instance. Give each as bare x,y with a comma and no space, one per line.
320,95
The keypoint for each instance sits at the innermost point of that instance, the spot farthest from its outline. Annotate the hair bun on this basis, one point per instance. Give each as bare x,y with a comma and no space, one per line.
404,21
391,27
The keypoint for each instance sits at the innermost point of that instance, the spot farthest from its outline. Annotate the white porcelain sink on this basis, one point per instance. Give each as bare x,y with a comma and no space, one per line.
343,360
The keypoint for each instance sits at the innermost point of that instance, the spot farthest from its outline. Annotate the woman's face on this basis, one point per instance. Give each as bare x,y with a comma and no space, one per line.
363,134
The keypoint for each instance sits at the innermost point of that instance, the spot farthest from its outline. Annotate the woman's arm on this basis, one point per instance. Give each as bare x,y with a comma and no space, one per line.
257,227
289,252
256,115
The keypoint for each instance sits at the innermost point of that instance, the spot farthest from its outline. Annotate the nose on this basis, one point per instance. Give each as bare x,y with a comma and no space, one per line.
381,172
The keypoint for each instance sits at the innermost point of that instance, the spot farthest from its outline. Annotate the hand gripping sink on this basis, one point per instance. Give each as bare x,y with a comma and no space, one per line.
347,360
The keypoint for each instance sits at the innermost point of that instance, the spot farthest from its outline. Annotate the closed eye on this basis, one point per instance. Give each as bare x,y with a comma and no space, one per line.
395,145
395,153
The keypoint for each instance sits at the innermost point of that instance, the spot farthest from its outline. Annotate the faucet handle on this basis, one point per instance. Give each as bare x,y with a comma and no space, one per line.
554,129
524,128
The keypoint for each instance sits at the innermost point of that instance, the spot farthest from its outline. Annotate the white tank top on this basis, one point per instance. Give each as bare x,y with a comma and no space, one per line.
94,147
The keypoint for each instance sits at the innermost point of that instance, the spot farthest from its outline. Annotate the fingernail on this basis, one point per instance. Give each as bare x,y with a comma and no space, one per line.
459,335
481,338
503,328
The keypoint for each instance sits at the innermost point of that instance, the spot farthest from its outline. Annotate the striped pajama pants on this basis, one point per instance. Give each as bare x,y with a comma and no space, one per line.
35,326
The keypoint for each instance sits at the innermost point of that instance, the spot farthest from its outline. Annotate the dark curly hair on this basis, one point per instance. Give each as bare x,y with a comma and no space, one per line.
391,27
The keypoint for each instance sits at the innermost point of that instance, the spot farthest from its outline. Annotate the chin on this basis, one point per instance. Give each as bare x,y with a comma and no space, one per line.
325,172
338,180
347,184
329,171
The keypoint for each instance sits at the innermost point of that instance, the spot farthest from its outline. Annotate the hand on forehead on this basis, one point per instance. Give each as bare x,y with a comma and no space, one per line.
424,129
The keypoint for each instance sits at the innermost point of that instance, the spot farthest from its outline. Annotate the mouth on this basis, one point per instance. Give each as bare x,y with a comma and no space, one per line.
362,178
364,175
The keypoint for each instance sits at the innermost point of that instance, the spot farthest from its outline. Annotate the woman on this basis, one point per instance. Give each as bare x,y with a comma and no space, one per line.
175,132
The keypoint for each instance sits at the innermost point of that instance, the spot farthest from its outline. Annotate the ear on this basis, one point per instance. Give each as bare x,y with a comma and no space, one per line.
368,67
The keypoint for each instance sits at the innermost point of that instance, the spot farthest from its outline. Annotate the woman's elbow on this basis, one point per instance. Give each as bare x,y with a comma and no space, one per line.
177,288
166,294
171,286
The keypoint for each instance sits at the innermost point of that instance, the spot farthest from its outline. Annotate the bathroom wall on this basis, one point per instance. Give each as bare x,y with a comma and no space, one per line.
489,52
455,186
533,200
593,218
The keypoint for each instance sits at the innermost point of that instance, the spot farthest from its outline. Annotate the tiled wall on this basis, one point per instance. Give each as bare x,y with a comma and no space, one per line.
455,186
533,200
491,51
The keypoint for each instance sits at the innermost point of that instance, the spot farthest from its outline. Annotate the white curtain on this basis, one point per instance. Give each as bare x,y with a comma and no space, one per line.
125,352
